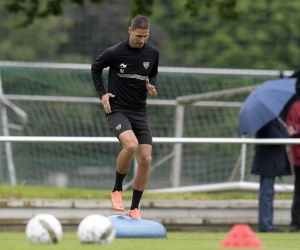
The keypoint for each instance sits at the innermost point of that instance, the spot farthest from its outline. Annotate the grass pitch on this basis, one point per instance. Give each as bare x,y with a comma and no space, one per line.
175,241
41,192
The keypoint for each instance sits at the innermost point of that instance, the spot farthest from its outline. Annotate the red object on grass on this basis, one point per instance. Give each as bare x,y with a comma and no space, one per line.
241,235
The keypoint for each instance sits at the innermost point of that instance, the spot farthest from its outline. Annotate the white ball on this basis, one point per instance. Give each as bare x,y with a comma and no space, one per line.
44,229
96,228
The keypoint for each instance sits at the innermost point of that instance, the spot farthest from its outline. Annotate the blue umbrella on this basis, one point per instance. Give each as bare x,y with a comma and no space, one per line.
265,103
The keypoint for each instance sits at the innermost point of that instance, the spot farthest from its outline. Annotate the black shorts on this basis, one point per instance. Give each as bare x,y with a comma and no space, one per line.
137,122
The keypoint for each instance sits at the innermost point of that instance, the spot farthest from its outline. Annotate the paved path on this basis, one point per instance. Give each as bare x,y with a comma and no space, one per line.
187,215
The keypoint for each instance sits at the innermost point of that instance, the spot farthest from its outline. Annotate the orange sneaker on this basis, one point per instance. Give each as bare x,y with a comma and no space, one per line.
135,213
116,200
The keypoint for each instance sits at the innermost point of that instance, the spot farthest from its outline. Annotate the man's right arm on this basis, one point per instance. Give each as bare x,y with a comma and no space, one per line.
102,61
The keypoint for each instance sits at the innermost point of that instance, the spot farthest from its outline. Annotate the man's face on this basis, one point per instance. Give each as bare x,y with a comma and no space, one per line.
138,37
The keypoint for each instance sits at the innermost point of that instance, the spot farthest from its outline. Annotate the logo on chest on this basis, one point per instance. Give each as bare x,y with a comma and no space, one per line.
146,65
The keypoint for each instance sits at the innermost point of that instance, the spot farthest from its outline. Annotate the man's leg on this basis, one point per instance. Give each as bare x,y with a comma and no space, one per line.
295,224
265,203
144,158
130,146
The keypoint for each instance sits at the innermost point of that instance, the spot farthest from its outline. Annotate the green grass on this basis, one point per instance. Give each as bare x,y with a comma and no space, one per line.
38,192
175,241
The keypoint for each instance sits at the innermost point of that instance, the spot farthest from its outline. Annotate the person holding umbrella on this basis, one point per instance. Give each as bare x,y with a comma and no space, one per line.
293,121
269,162
263,114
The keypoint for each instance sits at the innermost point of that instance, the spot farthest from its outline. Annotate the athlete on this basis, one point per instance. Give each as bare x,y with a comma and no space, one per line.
133,69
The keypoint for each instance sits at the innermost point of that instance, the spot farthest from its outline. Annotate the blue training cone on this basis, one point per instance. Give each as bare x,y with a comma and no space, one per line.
127,227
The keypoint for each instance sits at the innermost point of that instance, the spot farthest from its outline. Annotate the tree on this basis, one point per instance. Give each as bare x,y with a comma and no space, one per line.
34,9
77,36
39,40
262,38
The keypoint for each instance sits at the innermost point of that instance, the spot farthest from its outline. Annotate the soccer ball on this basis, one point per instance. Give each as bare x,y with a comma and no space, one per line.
44,229
96,229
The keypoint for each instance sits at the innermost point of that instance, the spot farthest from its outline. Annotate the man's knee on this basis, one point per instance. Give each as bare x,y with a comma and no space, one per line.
131,146
144,160
129,141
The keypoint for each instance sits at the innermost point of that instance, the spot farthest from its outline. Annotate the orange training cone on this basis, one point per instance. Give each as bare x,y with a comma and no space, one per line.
241,235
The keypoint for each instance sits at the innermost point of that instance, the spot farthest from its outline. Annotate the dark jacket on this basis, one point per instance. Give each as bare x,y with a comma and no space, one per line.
271,160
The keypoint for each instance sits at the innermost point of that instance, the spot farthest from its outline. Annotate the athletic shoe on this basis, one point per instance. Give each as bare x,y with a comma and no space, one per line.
135,213
116,200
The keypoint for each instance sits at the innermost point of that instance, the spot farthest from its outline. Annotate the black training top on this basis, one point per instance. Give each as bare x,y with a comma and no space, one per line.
128,71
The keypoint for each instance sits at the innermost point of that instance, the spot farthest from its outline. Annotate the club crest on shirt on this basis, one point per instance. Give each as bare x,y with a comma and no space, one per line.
146,65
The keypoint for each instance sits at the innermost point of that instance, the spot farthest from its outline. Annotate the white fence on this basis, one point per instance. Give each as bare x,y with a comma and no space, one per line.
179,111
240,185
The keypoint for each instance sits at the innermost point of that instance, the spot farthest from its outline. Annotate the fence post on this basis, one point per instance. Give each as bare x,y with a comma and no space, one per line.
177,148
243,161
5,132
